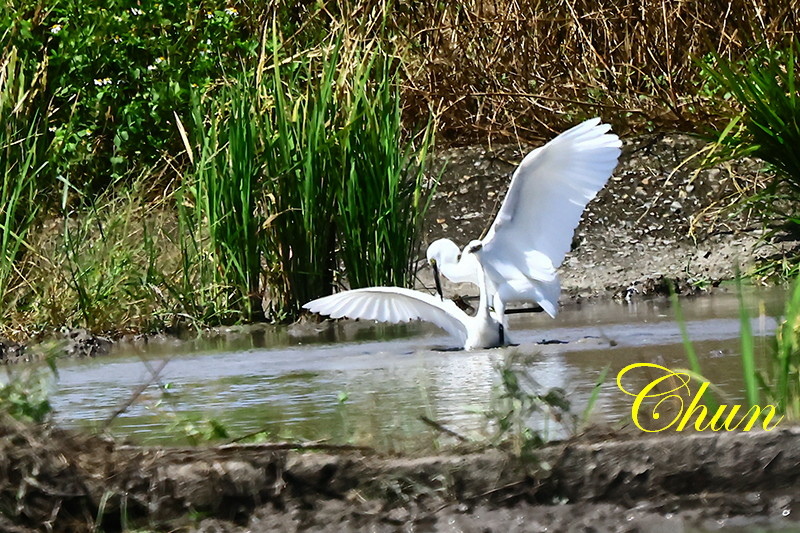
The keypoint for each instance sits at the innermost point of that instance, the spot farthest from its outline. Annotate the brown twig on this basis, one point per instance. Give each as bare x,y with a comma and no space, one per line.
439,427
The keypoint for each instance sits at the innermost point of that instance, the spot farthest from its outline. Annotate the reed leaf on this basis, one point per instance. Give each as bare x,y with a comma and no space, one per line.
764,88
385,194
302,162
23,160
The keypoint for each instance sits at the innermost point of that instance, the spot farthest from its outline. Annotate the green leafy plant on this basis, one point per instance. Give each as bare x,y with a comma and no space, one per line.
764,87
518,402
118,70
384,194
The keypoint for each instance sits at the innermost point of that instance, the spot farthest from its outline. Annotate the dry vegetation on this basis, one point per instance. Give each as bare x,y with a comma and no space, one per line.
526,69
106,249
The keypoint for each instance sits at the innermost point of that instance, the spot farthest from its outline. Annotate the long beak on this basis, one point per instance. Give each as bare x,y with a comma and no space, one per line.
436,280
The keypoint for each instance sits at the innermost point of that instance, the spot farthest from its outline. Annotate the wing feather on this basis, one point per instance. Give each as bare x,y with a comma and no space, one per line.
548,194
393,304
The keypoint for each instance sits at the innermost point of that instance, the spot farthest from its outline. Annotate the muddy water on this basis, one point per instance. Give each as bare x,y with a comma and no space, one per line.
366,383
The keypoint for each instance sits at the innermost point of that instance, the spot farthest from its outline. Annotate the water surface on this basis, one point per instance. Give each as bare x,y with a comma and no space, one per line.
366,383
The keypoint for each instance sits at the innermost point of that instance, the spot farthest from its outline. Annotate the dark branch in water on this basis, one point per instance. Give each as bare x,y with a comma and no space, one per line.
154,377
437,426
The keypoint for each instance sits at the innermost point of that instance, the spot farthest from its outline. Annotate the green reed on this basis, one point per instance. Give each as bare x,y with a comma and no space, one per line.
384,193
23,159
781,377
773,374
764,89
303,162
224,190
748,353
695,370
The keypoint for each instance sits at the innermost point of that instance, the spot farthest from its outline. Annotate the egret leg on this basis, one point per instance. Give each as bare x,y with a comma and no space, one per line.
499,309
502,333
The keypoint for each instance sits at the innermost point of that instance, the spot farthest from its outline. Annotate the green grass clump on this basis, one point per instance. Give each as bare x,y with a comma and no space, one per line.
519,401
764,88
223,188
294,168
781,378
23,158
384,194
774,375
302,159
26,396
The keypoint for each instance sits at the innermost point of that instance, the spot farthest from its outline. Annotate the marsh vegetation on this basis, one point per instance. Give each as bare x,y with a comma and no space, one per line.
176,164
218,163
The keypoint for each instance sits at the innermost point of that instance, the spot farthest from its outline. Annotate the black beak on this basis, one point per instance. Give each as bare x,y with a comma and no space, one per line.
436,280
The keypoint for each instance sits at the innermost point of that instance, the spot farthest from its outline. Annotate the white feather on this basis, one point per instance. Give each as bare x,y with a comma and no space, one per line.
534,227
548,194
394,304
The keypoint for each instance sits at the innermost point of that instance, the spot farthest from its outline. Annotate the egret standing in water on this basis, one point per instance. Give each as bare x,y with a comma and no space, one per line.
517,260
533,230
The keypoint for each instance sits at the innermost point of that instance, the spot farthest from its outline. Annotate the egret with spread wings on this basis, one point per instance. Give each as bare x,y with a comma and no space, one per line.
517,259
533,229
395,304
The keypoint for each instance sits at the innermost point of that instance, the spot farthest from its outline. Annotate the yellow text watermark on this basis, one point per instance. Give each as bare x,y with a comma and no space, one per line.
673,387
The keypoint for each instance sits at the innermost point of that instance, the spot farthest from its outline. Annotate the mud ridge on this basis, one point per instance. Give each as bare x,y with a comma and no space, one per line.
53,479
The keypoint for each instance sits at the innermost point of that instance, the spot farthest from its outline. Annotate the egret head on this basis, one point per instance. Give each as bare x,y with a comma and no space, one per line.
441,252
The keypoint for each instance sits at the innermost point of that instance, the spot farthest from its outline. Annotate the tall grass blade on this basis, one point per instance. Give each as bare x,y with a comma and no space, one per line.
748,349
593,397
224,188
783,381
384,195
23,160
691,355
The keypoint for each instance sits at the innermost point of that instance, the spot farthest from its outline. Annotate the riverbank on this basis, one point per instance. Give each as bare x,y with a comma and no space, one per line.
658,220
601,482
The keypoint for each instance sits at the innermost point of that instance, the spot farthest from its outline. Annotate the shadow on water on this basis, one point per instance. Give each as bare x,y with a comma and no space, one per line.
357,382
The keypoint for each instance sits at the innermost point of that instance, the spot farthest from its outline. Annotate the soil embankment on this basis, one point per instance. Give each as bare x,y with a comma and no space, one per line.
657,219
56,480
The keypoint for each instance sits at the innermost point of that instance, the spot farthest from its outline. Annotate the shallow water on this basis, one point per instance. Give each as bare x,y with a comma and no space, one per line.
365,383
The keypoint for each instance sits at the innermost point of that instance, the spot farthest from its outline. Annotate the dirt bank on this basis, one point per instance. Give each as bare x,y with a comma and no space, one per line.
51,479
656,219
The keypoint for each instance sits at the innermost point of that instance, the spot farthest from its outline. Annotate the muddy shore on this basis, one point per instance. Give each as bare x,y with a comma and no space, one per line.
686,482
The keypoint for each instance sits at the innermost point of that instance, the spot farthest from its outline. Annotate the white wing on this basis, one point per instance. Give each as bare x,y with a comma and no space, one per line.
548,193
394,304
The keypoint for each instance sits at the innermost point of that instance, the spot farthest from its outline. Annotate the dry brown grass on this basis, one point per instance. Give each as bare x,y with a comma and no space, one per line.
527,69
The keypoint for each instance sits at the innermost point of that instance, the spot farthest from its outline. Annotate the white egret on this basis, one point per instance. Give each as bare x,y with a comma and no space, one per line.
533,229
517,259
395,304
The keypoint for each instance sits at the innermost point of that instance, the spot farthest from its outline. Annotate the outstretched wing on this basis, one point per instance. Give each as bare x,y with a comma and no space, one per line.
547,196
393,304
